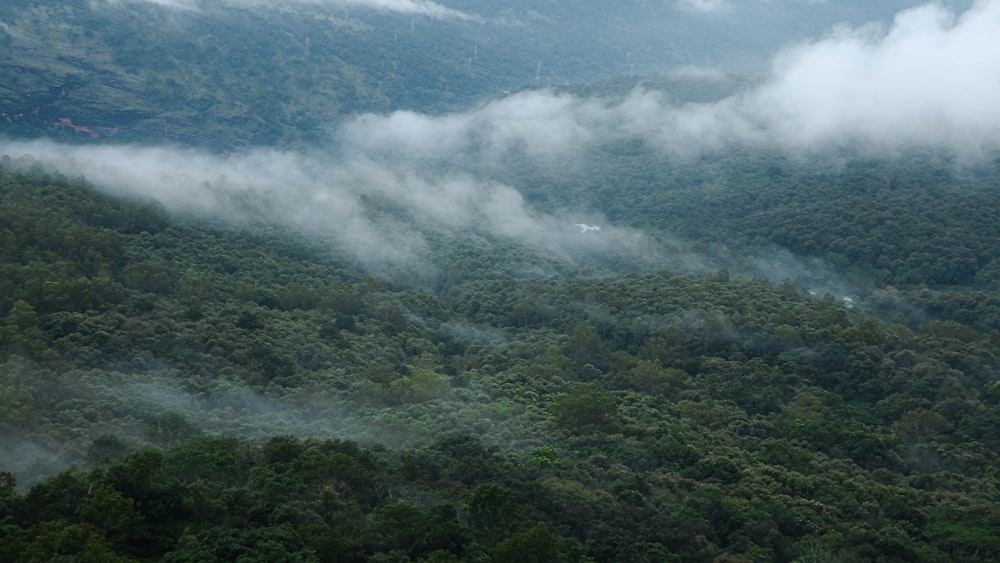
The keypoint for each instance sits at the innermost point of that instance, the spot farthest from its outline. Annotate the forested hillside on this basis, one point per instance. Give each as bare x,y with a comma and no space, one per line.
233,77
243,73
397,280
645,417
883,228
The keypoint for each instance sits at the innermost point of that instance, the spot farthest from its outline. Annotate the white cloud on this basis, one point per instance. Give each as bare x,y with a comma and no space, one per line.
375,209
175,4
932,78
538,123
703,6
697,73
409,7
415,7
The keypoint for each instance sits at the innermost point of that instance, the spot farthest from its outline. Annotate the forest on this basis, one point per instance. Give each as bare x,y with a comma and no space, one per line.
223,393
312,284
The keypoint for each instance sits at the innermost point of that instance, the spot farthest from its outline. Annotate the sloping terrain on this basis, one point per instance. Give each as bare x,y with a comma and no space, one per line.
527,281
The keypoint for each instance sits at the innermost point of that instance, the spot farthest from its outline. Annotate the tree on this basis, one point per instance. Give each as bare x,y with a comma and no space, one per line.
21,332
402,526
492,513
651,377
8,500
584,345
153,276
172,429
110,513
921,424
587,405
255,545
195,285
59,540
536,545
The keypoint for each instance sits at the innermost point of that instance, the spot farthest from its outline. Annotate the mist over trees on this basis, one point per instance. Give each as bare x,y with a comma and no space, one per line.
394,280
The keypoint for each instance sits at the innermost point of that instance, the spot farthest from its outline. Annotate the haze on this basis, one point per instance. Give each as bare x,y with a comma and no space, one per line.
930,78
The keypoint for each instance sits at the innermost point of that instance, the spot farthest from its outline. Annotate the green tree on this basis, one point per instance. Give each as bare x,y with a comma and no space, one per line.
110,513
583,345
59,540
20,404
256,545
587,405
21,332
536,545
492,513
651,377
153,276
195,285
172,429
921,424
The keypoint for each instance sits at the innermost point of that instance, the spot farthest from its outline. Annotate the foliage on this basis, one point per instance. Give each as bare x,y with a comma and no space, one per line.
245,393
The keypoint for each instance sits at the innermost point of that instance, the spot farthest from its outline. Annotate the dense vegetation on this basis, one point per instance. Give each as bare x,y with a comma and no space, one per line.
484,416
127,72
911,222
176,388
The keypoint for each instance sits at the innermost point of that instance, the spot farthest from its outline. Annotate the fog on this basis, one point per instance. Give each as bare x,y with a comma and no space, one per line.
929,79
384,181
704,6
418,7
376,211
174,4
410,7
383,185
160,407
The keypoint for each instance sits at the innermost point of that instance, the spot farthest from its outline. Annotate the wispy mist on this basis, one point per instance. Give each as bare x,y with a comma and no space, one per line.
174,4
705,6
410,7
376,210
416,7
160,407
929,79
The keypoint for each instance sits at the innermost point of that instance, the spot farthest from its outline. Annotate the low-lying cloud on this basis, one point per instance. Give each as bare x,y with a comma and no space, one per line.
415,7
703,6
408,7
932,78
375,209
929,79
174,4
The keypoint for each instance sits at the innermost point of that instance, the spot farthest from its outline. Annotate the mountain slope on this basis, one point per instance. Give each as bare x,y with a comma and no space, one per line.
234,74
754,419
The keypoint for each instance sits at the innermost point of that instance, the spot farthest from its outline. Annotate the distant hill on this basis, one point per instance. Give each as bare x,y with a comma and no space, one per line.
234,74
226,77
